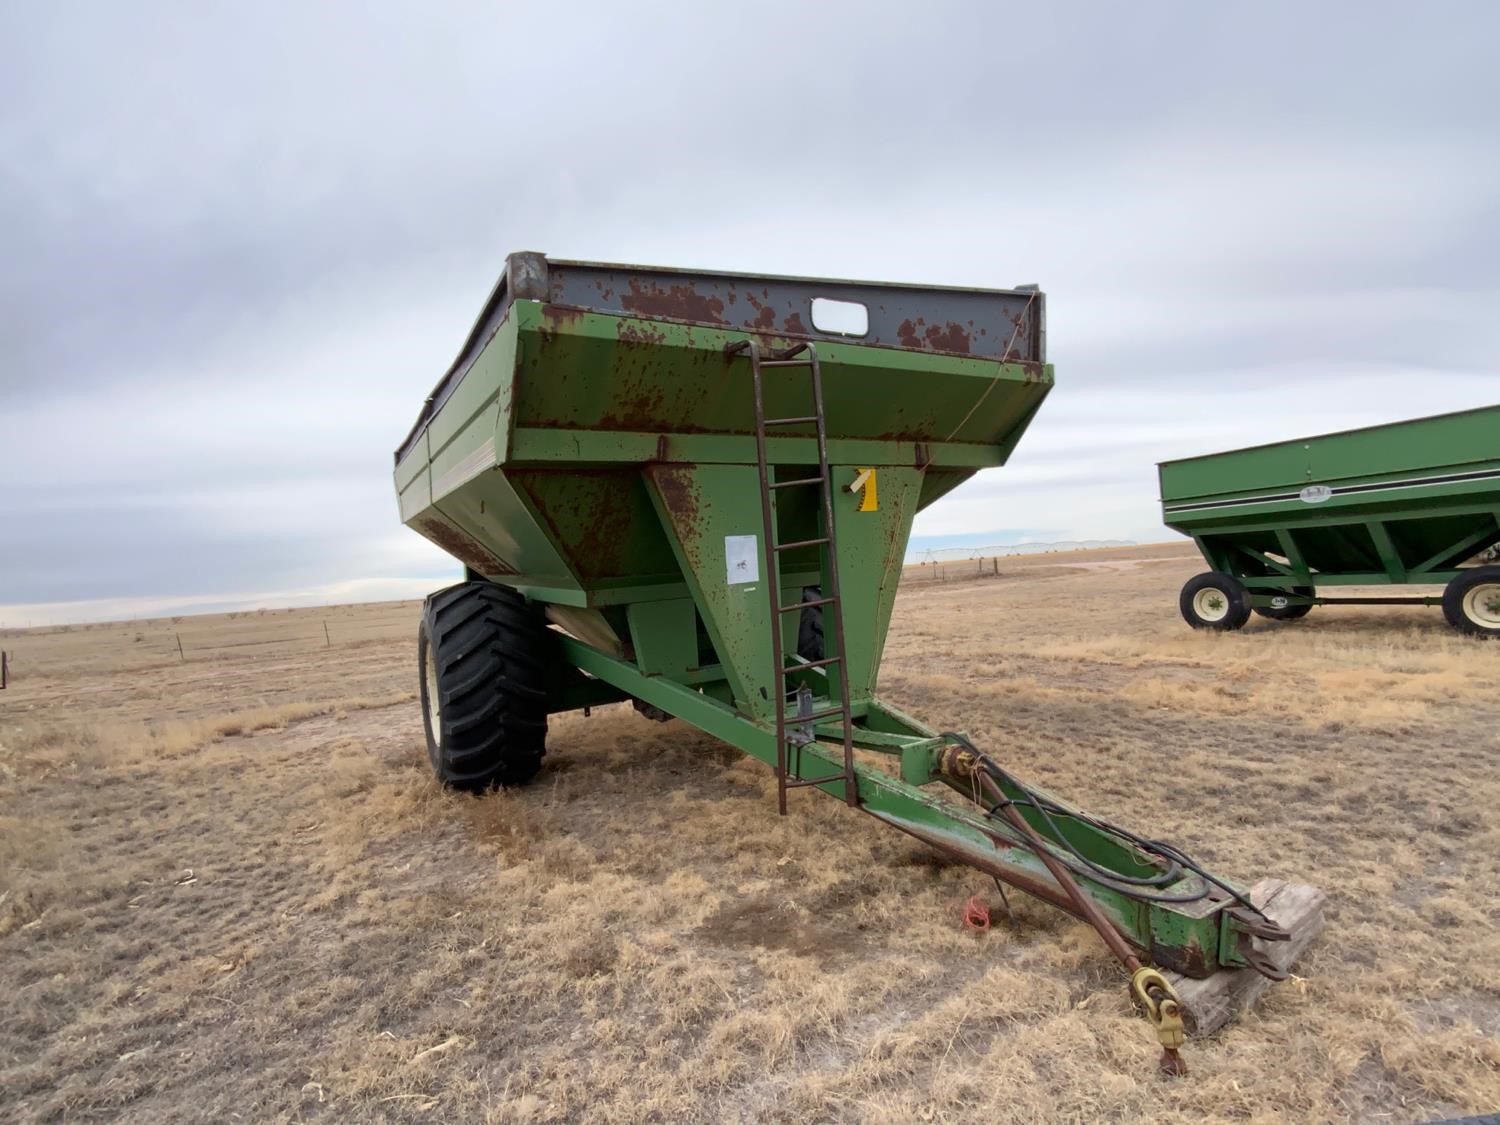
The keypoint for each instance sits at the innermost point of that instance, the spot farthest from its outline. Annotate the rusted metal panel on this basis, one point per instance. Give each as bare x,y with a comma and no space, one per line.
462,546
1000,324
995,323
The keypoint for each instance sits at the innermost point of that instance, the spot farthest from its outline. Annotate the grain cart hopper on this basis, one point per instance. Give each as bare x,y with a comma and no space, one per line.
1398,505
675,470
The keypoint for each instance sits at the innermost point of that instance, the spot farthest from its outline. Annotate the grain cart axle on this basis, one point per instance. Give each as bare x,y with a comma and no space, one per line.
694,492
1407,504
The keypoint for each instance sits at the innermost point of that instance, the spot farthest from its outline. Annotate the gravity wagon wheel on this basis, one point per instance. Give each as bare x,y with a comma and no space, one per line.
482,655
1288,612
810,626
1214,601
1471,602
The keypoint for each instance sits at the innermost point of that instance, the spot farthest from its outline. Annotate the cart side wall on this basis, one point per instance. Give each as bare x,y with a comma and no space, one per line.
607,465
530,471
1421,445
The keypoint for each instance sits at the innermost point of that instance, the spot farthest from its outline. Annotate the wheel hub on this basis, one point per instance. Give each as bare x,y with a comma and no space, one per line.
1482,605
1211,605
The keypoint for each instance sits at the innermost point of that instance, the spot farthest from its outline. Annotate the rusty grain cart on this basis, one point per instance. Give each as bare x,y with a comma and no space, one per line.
704,484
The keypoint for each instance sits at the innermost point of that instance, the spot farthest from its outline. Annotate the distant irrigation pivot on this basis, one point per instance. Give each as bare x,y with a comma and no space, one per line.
1000,550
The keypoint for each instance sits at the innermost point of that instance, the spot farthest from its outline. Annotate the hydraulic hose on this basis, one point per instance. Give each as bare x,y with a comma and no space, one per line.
1129,885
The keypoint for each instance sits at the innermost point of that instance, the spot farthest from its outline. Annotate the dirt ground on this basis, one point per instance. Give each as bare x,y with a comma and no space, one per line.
230,890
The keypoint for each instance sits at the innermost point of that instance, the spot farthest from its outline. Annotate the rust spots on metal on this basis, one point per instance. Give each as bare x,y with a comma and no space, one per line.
464,548
951,337
639,332
1190,960
562,316
675,484
638,407
601,545
675,302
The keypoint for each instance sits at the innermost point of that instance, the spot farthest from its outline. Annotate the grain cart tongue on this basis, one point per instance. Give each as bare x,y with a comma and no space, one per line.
706,482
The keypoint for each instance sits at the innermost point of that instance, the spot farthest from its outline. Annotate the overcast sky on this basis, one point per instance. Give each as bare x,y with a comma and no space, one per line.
239,243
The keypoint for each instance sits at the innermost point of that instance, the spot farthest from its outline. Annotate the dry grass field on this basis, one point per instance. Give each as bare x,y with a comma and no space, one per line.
229,889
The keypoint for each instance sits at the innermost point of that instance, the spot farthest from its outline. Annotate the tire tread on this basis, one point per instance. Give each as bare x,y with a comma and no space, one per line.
488,644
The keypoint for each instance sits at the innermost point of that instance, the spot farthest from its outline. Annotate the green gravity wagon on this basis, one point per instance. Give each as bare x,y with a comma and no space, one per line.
693,492
1406,504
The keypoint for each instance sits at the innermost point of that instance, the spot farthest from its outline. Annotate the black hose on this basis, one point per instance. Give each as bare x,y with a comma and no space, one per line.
1128,885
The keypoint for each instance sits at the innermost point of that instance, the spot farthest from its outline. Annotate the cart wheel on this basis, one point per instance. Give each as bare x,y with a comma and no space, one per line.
1471,602
1287,612
481,651
1214,601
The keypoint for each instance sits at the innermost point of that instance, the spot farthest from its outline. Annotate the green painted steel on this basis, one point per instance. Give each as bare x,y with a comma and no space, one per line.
1404,503
1184,937
597,452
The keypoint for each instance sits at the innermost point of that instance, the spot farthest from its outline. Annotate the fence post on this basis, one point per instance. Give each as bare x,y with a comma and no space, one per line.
327,640
180,653
4,669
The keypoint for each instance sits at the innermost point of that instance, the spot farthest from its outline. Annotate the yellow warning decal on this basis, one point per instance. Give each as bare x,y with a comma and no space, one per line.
864,484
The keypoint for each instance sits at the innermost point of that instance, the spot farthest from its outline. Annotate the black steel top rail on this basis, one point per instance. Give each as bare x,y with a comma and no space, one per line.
998,324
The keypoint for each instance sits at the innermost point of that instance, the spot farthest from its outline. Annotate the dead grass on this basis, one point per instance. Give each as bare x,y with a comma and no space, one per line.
229,886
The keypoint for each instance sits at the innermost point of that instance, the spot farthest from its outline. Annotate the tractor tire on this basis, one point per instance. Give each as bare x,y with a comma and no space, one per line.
1214,601
810,626
482,656
1471,602
1287,612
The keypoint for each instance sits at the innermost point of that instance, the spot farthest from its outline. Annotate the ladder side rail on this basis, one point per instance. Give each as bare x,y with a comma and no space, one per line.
851,795
772,575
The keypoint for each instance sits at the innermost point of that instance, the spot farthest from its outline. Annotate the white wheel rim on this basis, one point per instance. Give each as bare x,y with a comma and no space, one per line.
1482,605
1211,604
434,704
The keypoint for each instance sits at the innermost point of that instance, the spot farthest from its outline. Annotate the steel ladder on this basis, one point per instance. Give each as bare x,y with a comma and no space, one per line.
805,356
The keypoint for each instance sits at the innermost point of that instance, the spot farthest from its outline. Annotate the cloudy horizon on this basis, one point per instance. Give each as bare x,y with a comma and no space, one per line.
240,248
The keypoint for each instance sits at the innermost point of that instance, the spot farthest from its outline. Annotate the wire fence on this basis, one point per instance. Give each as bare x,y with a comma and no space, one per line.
253,635
1004,550
942,564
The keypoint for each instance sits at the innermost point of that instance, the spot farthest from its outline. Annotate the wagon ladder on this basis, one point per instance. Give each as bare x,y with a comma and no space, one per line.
803,356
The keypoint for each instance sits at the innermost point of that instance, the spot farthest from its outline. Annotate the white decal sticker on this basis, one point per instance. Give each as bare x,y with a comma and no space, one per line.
1316,493
742,558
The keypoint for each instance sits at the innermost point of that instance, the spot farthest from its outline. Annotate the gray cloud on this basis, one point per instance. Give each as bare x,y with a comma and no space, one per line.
239,247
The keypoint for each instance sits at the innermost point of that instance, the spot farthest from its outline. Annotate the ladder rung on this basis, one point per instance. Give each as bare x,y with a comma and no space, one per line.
803,480
824,663
802,543
791,421
785,363
801,782
826,713
807,605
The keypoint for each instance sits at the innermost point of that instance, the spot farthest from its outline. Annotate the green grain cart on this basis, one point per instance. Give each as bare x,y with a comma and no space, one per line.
1405,504
693,492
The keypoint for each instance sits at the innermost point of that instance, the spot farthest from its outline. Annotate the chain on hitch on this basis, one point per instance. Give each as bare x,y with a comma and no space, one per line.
1156,995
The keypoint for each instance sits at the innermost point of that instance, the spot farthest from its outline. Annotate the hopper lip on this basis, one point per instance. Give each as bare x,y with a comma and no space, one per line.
683,271
532,266
1332,433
